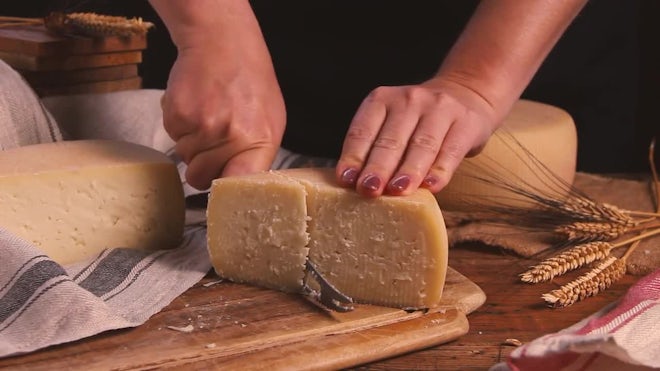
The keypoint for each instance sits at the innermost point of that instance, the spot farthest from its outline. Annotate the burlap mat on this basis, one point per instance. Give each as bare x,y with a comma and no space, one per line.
623,193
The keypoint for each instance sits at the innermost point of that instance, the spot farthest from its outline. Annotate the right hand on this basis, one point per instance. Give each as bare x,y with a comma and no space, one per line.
224,109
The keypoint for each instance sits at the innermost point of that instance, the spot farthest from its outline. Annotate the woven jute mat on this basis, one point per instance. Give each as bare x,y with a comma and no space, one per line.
624,193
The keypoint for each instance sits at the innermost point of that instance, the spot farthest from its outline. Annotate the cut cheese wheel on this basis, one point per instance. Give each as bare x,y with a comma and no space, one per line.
389,251
534,150
73,199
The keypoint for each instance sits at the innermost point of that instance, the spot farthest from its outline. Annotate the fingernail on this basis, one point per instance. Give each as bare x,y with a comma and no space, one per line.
371,182
430,181
349,176
400,183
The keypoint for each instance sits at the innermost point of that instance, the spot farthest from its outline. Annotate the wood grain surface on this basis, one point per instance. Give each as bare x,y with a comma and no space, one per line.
37,41
69,62
90,87
235,326
81,76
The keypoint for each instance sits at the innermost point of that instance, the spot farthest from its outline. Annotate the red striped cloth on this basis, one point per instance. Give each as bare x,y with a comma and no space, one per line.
623,336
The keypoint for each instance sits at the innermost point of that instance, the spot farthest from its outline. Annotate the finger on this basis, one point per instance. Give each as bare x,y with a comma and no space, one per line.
207,137
388,149
251,161
423,148
171,121
205,167
182,117
457,143
226,160
361,134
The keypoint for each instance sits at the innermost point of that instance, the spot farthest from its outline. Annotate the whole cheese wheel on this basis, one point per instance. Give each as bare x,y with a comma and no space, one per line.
73,199
535,150
389,251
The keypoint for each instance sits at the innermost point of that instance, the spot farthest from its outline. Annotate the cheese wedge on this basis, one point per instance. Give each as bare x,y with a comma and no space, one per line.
257,230
534,149
389,251
73,199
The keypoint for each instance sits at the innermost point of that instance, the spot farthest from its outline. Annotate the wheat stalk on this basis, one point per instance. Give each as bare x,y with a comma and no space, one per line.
582,208
592,231
589,284
597,279
568,260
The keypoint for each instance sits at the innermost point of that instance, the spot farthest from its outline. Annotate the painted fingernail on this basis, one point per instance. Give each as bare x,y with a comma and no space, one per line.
371,182
349,176
430,181
400,183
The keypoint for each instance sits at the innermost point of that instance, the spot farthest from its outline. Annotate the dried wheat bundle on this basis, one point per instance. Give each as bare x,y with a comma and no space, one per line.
96,25
557,205
571,259
590,284
587,229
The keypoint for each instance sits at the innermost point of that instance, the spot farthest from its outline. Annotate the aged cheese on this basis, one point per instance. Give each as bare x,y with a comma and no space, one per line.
73,199
548,133
389,251
257,230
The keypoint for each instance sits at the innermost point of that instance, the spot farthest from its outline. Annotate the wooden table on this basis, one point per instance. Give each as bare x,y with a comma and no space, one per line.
512,310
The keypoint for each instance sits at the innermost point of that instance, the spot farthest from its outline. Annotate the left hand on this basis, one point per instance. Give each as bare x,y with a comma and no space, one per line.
405,137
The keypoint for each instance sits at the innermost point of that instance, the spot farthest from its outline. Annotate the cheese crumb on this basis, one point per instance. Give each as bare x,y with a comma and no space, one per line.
186,329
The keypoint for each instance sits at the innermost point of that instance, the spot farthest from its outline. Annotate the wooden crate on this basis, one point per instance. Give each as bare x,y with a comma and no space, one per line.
59,65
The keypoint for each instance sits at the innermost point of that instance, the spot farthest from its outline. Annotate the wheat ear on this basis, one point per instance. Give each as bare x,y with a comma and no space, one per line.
597,279
97,25
589,284
584,209
593,231
568,260
105,25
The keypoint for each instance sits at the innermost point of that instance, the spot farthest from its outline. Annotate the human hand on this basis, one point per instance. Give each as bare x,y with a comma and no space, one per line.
406,137
225,111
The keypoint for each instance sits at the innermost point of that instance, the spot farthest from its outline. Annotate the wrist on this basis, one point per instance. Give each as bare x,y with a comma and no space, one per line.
204,23
469,93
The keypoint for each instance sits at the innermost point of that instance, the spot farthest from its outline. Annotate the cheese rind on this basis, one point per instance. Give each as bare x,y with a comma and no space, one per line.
546,132
73,199
389,251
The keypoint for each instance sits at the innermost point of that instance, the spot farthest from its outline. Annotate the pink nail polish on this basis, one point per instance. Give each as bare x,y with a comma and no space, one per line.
371,182
399,184
349,176
430,181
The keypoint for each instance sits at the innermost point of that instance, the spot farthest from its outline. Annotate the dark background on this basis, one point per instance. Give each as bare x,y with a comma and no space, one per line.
329,55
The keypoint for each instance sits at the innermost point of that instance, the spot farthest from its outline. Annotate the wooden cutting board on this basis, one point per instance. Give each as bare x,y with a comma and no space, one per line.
231,326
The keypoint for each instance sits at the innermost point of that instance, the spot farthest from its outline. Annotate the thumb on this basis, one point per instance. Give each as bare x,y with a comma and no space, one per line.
250,161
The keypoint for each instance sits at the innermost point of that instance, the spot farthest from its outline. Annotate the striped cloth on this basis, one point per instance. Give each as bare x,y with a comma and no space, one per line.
43,303
23,118
625,335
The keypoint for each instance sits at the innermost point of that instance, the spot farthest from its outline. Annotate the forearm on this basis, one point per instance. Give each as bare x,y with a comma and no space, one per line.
503,45
204,23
